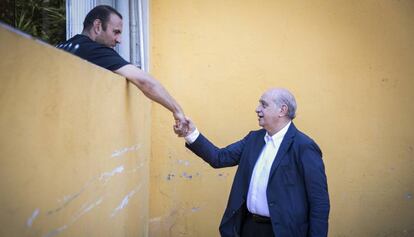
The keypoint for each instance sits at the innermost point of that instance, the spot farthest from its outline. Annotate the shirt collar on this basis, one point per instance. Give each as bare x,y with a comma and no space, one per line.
278,135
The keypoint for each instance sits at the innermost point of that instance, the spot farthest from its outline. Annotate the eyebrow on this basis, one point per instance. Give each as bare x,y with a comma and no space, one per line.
262,101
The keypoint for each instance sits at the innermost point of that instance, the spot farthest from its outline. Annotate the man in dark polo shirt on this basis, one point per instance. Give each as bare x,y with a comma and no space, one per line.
102,29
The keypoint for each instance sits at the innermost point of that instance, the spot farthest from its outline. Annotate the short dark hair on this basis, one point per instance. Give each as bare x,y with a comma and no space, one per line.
101,12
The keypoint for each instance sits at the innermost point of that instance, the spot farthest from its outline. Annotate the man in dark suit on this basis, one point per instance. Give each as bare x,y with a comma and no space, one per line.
280,186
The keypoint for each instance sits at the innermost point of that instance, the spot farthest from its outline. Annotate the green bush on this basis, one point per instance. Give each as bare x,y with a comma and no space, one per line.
44,19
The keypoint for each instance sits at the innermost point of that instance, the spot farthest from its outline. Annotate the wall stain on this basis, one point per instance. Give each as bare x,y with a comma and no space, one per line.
170,176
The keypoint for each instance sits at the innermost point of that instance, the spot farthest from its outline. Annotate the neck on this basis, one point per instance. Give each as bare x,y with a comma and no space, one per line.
88,33
277,127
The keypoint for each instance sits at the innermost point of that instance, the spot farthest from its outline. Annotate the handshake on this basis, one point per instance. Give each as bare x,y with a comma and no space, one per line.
183,126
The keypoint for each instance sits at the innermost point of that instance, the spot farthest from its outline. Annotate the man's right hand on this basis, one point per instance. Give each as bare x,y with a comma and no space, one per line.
181,126
186,128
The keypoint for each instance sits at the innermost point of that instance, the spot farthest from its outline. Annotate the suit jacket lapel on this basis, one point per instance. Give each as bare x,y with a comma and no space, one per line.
284,147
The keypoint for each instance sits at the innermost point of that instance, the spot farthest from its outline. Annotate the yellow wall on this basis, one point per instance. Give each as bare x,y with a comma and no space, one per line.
74,146
75,142
350,65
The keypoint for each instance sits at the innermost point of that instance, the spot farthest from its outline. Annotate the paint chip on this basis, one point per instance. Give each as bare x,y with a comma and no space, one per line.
187,176
125,201
184,162
56,231
122,151
107,175
195,209
86,208
33,217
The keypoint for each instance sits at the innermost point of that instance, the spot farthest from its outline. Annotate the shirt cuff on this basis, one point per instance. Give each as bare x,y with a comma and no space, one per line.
192,136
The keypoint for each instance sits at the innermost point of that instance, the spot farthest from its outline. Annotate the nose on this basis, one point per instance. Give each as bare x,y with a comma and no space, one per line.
118,40
258,109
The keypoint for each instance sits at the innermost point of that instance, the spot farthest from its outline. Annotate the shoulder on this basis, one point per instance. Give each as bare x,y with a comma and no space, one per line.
257,133
254,135
83,46
99,54
303,142
303,138
73,44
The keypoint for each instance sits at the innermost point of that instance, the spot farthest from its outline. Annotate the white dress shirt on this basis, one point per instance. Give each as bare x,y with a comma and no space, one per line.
256,197
192,136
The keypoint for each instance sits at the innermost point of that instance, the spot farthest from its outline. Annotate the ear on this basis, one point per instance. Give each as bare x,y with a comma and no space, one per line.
284,110
97,26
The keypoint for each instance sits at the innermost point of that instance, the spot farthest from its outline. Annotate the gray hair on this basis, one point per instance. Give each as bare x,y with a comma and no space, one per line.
284,97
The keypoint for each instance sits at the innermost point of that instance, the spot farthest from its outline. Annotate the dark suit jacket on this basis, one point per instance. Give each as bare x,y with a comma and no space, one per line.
297,191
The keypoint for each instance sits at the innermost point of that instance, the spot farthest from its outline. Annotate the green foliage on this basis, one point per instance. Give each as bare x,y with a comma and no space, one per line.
44,19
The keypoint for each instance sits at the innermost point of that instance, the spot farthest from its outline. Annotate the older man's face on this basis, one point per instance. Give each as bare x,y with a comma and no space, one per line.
268,112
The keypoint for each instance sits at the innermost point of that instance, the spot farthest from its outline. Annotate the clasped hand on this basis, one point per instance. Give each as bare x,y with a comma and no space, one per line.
183,127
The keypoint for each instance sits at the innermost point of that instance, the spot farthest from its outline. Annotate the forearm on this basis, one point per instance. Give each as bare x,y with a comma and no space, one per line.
150,87
217,157
156,92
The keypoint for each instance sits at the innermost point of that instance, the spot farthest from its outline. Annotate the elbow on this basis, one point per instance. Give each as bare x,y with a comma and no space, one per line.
212,163
215,166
